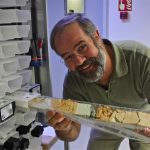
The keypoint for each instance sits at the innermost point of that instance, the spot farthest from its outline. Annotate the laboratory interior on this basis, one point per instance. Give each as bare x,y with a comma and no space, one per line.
32,75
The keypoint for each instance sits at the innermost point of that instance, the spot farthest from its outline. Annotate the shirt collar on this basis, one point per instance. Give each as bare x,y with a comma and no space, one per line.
121,67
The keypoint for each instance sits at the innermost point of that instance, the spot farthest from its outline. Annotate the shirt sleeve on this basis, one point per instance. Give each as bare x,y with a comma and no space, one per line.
146,81
145,72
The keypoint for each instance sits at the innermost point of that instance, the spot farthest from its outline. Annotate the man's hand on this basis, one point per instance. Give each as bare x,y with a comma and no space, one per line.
64,127
58,121
145,131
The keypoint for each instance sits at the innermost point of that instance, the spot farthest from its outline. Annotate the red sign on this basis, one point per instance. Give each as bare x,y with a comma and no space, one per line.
125,5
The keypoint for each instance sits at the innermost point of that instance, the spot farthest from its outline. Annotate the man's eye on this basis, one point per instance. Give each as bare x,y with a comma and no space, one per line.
82,49
68,57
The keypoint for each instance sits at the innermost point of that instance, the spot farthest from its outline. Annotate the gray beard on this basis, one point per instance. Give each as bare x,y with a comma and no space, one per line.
96,75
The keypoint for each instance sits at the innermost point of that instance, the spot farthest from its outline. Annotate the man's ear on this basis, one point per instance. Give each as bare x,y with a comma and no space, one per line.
97,35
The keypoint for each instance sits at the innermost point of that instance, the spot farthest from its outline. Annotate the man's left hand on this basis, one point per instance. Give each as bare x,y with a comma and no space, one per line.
145,131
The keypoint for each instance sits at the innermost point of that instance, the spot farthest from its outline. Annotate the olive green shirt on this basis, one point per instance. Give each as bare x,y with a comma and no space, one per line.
129,85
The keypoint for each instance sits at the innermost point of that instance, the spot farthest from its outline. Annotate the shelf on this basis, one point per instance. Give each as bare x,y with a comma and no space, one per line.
12,3
9,32
14,16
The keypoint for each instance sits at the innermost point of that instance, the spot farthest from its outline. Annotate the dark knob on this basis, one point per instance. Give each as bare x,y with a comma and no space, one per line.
37,131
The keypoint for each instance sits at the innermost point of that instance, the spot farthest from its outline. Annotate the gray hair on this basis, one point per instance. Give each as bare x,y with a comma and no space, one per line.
86,25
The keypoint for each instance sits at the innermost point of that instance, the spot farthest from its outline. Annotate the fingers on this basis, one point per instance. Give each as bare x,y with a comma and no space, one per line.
64,125
58,121
50,114
55,118
145,131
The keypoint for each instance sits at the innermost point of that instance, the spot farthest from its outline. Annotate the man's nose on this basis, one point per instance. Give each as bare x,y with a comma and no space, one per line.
79,59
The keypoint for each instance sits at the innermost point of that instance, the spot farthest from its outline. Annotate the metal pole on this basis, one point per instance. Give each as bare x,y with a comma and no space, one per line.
66,145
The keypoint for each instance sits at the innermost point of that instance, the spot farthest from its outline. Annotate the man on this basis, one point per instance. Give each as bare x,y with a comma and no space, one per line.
101,72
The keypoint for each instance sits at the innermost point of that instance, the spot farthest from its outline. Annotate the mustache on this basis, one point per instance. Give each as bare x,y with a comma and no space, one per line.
89,61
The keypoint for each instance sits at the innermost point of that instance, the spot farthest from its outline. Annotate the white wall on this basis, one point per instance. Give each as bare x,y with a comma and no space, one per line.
136,28
55,10
94,11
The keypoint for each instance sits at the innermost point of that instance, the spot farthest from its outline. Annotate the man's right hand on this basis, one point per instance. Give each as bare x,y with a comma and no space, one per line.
58,121
64,127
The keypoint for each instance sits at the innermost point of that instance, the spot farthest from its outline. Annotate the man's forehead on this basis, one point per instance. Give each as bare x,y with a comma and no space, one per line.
70,34
72,28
